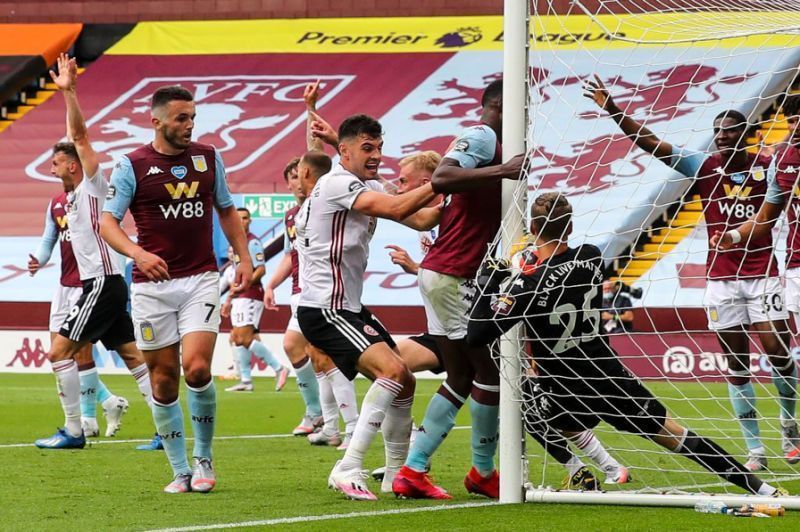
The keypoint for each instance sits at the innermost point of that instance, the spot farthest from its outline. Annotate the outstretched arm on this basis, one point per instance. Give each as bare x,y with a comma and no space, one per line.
644,138
66,80
451,177
396,208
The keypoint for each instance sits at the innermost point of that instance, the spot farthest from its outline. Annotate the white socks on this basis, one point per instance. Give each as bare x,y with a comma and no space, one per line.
345,393
373,410
142,376
330,412
587,442
68,383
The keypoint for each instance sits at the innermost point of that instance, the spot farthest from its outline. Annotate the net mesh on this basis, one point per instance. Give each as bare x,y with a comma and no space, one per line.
673,67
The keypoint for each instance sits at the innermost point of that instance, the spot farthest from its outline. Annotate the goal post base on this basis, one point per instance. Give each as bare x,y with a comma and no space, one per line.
629,498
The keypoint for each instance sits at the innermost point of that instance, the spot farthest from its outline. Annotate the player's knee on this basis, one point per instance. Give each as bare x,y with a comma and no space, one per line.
293,349
197,375
738,378
460,383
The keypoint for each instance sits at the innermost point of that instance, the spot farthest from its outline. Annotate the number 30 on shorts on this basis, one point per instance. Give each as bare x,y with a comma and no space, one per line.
772,302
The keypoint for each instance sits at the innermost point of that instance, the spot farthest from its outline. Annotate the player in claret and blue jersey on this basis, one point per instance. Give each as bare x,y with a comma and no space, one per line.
743,288
171,187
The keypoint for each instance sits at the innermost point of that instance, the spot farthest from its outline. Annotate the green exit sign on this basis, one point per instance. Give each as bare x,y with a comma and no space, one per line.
269,205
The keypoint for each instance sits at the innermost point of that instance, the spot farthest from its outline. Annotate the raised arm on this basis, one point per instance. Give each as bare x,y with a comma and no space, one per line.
596,91
310,96
66,80
322,130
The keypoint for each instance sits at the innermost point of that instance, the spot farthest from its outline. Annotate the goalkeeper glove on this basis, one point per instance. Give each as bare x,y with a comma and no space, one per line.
493,272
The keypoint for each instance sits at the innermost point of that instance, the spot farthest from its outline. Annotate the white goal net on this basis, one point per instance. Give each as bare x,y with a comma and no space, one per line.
674,68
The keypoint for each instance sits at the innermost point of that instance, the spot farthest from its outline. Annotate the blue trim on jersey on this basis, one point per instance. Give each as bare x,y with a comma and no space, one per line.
774,195
222,194
475,147
687,162
121,189
49,238
256,250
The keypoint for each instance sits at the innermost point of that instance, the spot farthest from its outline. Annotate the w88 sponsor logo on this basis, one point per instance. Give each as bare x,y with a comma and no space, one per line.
187,209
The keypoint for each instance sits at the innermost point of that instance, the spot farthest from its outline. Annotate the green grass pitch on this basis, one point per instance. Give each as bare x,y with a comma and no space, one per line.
111,486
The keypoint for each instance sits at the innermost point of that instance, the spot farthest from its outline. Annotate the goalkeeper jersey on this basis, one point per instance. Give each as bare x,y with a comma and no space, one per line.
559,300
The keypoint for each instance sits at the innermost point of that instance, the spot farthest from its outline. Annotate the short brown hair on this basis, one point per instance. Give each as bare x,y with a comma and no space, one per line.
424,160
291,165
163,95
551,215
68,149
319,163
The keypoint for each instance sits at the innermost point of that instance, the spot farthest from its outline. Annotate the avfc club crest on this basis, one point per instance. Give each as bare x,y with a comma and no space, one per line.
199,163
758,173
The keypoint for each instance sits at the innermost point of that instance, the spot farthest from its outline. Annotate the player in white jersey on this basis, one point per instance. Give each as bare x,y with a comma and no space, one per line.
334,228
101,311
93,389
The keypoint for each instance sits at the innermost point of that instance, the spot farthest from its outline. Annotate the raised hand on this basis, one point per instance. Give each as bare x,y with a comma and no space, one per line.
311,95
67,76
323,130
596,91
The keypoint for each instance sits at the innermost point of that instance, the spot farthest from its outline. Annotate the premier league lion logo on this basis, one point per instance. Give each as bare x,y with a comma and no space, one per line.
460,38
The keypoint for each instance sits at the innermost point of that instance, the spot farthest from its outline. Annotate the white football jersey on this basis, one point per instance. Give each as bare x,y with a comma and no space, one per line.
333,242
84,205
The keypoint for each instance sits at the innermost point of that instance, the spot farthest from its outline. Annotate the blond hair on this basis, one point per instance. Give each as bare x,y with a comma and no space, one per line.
423,160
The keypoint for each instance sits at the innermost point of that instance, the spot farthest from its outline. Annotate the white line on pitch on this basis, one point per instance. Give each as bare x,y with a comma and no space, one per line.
89,443
724,484
328,517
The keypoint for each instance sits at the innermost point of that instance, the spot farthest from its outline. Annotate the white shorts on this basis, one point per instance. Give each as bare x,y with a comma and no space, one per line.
447,301
734,303
293,324
164,312
63,300
793,290
246,311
